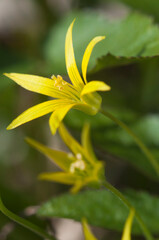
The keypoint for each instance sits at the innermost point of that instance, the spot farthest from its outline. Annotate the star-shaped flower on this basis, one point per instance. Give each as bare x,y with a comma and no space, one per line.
80,167
80,94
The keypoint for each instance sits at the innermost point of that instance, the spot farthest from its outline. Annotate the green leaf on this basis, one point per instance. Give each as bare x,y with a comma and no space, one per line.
102,208
146,6
135,157
147,128
118,142
127,40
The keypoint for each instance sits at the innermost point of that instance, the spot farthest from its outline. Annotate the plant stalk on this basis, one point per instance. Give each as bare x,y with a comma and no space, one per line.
25,223
118,194
141,145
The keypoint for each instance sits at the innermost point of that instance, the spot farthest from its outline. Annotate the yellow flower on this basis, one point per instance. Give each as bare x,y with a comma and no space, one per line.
126,232
80,94
80,167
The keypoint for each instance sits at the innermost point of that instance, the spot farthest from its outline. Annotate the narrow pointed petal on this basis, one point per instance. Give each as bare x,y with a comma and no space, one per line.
57,116
127,228
62,159
87,232
94,86
86,143
36,84
77,187
61,177
70,60
72,144
87,55
35,112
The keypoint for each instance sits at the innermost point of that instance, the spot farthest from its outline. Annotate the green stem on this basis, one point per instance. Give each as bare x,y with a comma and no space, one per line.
141,145
32,227
126,202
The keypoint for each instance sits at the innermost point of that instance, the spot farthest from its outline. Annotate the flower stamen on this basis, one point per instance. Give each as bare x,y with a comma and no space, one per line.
79,164
79,156
59,82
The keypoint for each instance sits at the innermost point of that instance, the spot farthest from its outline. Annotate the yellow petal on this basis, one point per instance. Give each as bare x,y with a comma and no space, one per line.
127,228
72,144
94,86
37,84
57,116
35,112
87,54
86,142
70,60
62,159
77,186
61,177
87,232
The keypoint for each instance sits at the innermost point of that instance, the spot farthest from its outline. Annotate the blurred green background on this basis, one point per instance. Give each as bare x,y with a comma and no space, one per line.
32,35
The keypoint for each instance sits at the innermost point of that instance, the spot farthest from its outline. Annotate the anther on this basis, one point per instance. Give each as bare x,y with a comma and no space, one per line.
53,77
64,83
59,83
78,156
59,77
79,164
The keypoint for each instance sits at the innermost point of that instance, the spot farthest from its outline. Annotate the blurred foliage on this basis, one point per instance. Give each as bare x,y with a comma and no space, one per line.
128,61
121,45
109,211
145,6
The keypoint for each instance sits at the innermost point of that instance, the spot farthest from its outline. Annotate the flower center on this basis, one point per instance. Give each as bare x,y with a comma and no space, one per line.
59,82
79,164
